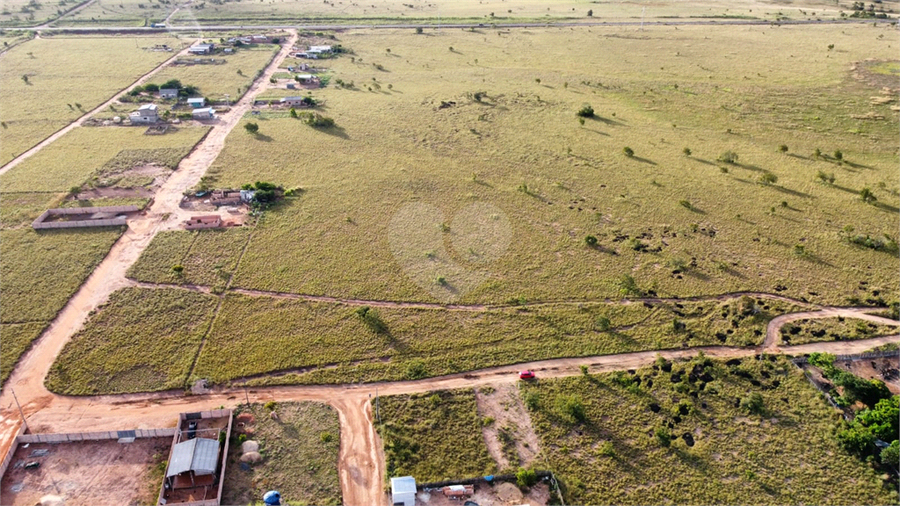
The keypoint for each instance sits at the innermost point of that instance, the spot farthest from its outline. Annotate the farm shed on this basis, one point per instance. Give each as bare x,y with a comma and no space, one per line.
205,221
403,491
205,113
202,49
147,113
196,102
319,49
168,93
305,78
193,463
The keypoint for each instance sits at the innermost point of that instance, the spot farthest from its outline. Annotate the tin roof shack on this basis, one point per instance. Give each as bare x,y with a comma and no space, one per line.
202,49
197,460
196,102
403,491
207,113
458,491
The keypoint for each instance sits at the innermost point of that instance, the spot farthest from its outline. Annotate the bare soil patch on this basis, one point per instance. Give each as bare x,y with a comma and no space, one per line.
86,473
510,438
884,369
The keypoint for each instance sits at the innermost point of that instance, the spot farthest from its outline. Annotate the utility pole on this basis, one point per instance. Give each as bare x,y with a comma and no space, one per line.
20,408
377,417
642,17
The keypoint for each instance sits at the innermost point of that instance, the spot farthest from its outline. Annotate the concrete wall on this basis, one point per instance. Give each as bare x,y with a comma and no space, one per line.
12,450
39,223
91,436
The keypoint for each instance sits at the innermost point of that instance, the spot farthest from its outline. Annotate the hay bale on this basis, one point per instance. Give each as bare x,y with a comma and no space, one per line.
249,446
251,457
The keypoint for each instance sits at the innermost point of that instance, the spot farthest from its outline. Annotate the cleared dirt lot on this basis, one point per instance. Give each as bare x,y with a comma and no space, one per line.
91,473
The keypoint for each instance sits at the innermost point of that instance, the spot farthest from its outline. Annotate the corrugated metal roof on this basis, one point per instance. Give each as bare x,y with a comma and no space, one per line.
403,485
198,455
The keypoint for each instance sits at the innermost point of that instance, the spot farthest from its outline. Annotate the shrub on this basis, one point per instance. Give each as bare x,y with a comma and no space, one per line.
825,178
867,195
293,112
768,178
372,320
584,369
419,29
628,286
685,204
270,406
178,269
728,157
838,155
416,370
817,153
628,151
856,439
686,151
252,128
326,437
316,120
753,403
590,241
602,324
663,437
532,400
890,456
783,148
571,407
590,12
525,477
586,111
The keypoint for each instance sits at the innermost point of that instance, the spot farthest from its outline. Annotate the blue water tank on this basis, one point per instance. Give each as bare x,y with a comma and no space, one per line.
272,498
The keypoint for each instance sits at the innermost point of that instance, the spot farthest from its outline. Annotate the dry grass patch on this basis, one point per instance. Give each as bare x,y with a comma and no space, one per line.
84,152
20,209
141,340
42,270
62,74
433,436
300,454
16,338
743,432
231,78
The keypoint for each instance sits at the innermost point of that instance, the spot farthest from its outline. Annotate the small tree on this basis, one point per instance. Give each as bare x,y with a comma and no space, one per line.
783,148
590,13
838,155
586,111
590,241
728,157
25,78
768,178
419,29
867,195
252,128
753,403
686,151
525,477
602,323
663,437
293,112
817,153
628,151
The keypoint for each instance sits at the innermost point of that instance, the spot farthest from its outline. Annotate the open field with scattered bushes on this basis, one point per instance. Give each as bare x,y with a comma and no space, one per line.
206,258
487,12
141,340
433,436
231,78
319,342
511,149
833,329
299,454
49,82
84,152
741,432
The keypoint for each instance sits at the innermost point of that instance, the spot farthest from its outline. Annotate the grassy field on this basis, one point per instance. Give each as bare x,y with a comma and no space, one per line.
833,329
300,452
121,13
141,340
433,436
488,11
208,258
520,155
16,339
32,12
318,342
66,77
599,435
20,209
41,270
231,78
84,152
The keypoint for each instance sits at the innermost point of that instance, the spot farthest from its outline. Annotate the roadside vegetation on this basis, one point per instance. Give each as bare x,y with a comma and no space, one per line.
299,444
141,340
16,340
833,329
433,436
231,78
746,431
49,82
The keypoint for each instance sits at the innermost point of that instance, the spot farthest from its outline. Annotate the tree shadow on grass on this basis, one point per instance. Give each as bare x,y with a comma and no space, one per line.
643,160
886,207
608,121
263,137
705,162
334,131
789,191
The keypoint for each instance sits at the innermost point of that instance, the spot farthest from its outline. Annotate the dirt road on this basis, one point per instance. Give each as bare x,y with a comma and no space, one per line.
80,121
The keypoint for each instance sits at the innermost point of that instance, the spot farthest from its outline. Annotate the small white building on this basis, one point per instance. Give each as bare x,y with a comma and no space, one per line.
292,101
196,102
305,78
146,113
168,93
204,114
319,49
403,491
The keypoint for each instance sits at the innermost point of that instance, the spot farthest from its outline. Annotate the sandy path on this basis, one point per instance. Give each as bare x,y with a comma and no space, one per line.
773,330
80,121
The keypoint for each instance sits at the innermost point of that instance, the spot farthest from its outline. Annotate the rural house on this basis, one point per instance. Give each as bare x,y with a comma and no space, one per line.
196,102
203,114
146,113
201,222
202,49
168,93
293,101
